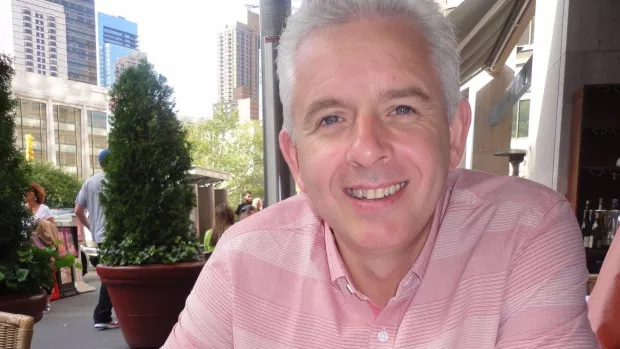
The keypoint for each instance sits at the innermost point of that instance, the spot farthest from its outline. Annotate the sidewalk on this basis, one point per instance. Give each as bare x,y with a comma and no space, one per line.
69,325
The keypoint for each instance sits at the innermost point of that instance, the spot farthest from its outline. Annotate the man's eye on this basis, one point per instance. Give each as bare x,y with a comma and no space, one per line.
330,120
403,110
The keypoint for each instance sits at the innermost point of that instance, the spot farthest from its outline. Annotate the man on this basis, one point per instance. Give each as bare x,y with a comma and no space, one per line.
88,200
247,211
389,245
247,200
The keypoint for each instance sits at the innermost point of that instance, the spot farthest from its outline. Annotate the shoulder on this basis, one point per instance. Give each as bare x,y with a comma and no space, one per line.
282,236
44,211
485,189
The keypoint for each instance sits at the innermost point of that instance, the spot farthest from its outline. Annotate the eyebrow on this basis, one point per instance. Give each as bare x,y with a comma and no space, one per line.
321,104
411,91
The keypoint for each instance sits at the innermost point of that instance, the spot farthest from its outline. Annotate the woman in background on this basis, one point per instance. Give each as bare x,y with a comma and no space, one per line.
224,218
35,200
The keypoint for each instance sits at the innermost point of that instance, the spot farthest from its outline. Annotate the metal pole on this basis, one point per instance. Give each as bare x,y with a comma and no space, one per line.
279,183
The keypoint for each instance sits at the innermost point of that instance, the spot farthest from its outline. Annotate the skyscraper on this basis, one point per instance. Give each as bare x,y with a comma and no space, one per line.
238,53
117,38
39,38
81,43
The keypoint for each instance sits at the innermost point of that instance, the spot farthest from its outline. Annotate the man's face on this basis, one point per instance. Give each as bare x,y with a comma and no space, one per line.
373,144
247,198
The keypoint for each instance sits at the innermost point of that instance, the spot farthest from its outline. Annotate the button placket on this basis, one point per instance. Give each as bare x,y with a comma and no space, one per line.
383,336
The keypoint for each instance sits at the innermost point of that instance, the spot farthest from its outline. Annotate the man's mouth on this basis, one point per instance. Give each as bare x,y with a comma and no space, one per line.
375,194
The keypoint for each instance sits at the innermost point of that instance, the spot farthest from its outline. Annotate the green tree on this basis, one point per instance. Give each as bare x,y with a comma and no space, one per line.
147,195
224,143
61,187
23,267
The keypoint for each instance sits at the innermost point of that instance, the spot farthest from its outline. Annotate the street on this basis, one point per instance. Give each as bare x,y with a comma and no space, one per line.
69,324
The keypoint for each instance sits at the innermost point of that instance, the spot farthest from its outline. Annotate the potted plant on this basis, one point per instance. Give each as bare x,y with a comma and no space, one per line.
24,268
150,256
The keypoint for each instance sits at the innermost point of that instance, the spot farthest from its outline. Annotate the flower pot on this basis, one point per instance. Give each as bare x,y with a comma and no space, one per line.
148,299
31,304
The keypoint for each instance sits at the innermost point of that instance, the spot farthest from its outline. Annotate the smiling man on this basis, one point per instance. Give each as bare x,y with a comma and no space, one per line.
389,245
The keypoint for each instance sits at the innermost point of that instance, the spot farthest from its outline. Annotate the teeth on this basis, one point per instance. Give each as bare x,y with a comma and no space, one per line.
372,194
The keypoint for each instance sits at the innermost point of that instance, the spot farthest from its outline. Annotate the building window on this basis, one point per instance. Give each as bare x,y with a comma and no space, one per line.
51,31
528,36
28,44
53,49
54,74
51,18
29,63
97,137
30,119
40,28
27,25
52,37
521,119
68,140
28,50
51,25
53,55
26,12
40,35
38,15
29,57
39,22
30,70
28,18
39,47
27,31
53,61
28,38
52,43
41,60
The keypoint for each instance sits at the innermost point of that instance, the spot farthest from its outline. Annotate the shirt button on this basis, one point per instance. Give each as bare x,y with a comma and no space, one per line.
383,336
350,288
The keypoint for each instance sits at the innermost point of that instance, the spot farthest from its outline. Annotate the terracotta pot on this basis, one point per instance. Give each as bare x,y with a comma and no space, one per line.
148,299
31,304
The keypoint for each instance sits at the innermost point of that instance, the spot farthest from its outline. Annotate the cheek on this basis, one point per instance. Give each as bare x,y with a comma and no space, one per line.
319,164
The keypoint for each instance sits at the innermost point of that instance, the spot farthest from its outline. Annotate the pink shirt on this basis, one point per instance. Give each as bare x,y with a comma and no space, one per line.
503,267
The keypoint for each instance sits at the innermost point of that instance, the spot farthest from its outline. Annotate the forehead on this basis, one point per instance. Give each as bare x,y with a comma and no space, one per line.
363,56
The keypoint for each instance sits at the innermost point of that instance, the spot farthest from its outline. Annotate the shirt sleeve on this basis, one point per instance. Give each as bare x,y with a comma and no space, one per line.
206,321
44,212
544,299
207,242
82,197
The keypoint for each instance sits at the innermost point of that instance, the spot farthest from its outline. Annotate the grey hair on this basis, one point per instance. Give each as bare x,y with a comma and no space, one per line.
316,14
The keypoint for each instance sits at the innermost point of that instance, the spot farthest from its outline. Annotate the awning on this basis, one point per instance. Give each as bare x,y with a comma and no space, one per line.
488,31
207,176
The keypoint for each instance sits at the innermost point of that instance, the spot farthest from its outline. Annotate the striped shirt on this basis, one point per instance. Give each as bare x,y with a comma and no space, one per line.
503,267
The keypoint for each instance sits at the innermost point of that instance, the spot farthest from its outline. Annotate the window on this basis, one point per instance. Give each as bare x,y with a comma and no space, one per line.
53,61
41,60
528,36
51,25
53,68
39,47
27,37
53,55
54,74
40,28
40,54
39,22
27,25
38,15
40,35
30,70
29,57
27,31
51,31
52,43
28,44
29,64
53,49
52,37
28,18
521,119
28,50
41,41
26,12
51,18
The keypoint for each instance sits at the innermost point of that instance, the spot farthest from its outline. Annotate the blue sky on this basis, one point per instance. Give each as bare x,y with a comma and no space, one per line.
179,39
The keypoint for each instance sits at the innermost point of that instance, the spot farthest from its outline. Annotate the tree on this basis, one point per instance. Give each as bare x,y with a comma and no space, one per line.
61,187
224,143
24,267
147,195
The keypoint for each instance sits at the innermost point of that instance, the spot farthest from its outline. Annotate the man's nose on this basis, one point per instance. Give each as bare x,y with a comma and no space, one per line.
369,146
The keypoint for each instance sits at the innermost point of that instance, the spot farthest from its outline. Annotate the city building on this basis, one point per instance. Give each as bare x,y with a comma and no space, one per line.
117,37
81,44
124,62
238,48
39,37
67,120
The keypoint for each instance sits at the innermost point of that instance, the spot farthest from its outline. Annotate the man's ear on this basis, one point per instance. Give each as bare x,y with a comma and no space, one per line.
289,151
459,129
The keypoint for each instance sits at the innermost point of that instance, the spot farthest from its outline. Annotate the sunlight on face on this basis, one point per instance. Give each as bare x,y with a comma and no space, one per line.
373,142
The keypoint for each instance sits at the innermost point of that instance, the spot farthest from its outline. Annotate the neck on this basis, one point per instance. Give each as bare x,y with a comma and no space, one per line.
377,274
33,205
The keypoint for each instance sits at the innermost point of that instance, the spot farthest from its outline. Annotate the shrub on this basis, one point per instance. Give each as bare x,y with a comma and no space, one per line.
147,195
61,187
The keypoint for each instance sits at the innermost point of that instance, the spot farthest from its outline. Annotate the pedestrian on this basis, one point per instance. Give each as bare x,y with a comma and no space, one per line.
35,200
258,203
247,211
247,200
390,245
88,200
224,218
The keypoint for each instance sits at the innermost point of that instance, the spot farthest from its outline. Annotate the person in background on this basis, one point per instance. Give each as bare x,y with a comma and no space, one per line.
247,211
46,232
88,199
247,200
258,203
35,200
224,218
604,303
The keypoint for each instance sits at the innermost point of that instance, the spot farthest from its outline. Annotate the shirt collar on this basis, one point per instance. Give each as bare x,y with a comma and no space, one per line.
338,272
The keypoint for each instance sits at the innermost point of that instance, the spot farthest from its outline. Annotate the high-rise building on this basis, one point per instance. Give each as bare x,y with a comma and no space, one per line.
39,37
117,38
128,61
81,43
238,48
